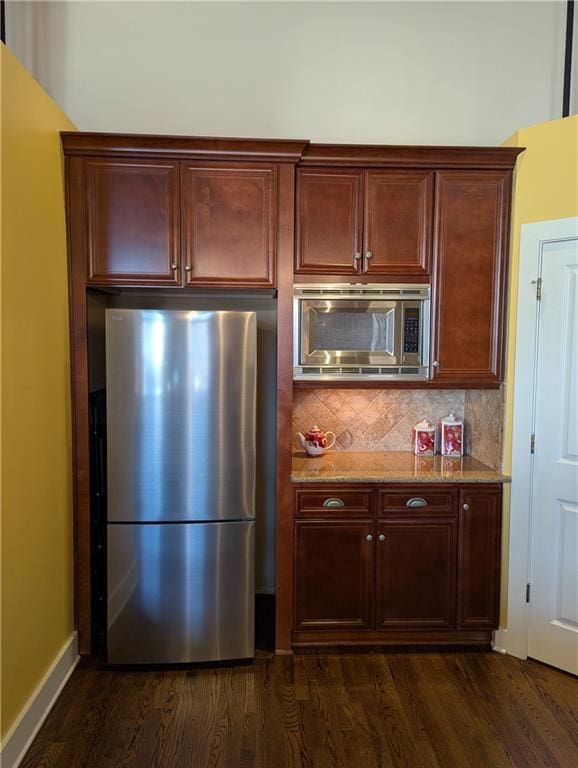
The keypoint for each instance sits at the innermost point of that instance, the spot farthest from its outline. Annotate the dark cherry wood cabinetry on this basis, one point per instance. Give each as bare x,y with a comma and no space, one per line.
157,223
471,251
229,224
396,563
364,222
480,522
415,577
132,216
417,214
186,214
329,224
333,591
398,221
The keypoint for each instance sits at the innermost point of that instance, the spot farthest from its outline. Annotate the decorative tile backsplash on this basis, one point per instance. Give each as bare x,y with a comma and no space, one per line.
383,419
372,419
484,414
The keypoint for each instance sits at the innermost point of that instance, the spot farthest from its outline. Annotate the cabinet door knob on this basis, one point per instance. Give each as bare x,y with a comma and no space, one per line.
436,364
369,537
381,537
369,255
357,256
188,268
333,503
466,507
174,266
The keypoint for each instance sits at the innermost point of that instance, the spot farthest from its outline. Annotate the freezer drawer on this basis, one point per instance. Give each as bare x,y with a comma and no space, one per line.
180,592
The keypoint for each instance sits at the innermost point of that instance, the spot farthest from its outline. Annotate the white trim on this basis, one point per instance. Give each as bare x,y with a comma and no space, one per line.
22,733
514,640
500,641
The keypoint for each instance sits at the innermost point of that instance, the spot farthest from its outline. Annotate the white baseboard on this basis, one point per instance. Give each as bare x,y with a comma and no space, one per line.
500,641
20,736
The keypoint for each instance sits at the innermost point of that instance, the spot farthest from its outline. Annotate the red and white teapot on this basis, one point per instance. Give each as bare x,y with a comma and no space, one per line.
315,441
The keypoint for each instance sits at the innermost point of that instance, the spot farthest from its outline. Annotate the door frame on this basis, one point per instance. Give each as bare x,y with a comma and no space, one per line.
514,638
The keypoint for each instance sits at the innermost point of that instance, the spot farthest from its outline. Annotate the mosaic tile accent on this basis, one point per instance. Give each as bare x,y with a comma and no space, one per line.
372,419
484,416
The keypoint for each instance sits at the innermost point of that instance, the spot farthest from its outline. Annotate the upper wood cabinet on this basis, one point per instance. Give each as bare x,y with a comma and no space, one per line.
179,211
132,216
329,224
229,224
471,251
398,221
355,222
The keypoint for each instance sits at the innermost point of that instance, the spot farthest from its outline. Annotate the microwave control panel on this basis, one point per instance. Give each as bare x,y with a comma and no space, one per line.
411,334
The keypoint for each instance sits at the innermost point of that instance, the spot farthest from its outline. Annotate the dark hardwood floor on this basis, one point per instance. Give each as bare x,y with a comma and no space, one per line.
317,710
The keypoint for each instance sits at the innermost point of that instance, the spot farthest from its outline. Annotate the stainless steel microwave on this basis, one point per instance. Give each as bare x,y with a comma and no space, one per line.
351,332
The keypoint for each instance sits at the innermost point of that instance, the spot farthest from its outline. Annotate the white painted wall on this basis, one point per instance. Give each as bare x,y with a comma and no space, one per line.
411,72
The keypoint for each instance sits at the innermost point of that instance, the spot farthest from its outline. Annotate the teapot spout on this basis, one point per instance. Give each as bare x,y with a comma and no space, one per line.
301,439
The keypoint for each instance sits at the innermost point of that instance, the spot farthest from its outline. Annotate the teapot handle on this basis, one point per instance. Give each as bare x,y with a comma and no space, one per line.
332,443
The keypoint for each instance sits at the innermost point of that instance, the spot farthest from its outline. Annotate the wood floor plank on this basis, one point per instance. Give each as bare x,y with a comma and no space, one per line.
318,709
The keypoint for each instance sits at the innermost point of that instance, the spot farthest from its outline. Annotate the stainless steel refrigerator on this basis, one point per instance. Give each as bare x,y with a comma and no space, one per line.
180,397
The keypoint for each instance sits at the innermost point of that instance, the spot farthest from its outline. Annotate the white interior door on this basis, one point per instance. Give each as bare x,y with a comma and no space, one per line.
553,615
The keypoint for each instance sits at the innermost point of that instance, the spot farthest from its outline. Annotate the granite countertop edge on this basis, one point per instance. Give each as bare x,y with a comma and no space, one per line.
496,477
391,467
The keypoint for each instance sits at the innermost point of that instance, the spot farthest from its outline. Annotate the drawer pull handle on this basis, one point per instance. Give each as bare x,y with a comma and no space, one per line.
416,502
333,503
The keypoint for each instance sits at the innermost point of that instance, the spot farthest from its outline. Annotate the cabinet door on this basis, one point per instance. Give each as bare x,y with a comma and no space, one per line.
329,222
398,223
229,224
480,524
333,574
471,228
133,222
416,563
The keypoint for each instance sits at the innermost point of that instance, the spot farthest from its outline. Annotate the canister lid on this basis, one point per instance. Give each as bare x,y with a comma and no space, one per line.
451,419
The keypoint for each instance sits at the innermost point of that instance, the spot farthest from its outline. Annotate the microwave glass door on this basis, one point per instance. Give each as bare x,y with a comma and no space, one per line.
347,332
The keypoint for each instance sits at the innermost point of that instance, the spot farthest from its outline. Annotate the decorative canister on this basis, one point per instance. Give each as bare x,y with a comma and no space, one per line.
452,436
424,439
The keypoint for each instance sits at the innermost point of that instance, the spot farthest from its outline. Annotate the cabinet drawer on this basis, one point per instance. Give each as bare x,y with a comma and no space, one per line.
418,501
333,501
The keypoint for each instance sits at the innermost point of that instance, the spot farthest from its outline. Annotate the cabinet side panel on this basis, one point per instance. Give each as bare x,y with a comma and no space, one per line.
77,247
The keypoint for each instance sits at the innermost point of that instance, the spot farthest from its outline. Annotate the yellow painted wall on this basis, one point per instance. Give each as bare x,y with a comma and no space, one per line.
545,187
36,547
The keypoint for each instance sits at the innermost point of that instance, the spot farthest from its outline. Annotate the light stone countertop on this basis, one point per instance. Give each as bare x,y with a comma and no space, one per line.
390,467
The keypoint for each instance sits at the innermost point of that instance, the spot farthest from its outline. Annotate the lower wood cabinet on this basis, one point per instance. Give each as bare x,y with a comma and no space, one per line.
334,571
480,522
415,575
374,567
